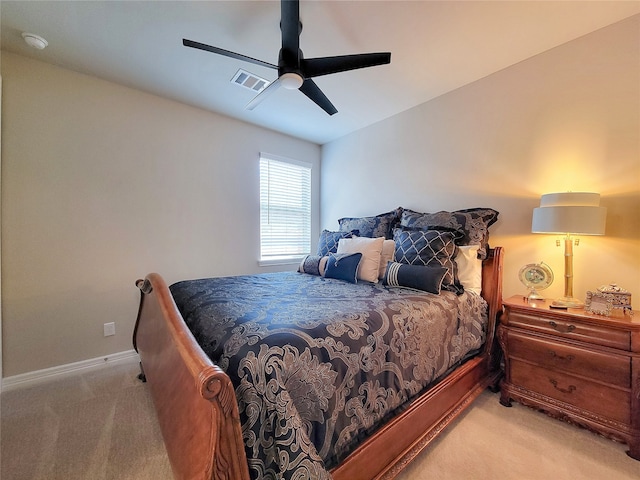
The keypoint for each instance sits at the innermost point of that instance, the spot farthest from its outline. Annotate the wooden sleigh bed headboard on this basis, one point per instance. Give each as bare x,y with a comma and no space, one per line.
198,413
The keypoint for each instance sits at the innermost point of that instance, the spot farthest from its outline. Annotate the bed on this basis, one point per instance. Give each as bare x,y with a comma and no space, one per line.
314,376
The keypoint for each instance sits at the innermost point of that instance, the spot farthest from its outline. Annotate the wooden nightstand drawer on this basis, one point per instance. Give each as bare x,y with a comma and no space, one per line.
574,365
584,332
606,368
609,402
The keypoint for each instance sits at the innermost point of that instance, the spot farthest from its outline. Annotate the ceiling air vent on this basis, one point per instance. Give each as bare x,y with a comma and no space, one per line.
250,81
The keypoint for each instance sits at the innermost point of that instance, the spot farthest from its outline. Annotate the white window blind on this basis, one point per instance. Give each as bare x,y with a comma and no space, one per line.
285,208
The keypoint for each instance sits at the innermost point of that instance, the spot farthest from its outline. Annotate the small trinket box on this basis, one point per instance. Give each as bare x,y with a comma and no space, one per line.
621,297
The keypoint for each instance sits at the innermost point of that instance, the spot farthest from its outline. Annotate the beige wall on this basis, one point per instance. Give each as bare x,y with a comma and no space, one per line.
102,184
567,119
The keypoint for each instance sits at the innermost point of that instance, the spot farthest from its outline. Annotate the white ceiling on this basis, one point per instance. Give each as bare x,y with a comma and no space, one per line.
436,47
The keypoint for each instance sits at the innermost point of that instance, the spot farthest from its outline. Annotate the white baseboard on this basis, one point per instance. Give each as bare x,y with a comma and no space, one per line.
31,378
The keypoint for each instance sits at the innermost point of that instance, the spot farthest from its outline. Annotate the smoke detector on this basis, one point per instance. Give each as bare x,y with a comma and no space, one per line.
34,41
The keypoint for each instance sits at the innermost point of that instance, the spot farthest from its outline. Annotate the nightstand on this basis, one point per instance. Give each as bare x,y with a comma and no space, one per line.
575,366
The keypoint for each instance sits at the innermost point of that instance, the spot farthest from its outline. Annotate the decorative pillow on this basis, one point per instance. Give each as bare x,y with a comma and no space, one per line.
370,248
343,266
388,250
430,248
457,233
379,226
328,241
469,268
313,265
474,222
428,279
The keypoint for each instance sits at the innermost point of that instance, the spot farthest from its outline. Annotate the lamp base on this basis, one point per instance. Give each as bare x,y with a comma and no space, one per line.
534,295
567,302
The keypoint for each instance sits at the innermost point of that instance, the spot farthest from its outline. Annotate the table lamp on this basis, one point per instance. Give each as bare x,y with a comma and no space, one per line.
569,214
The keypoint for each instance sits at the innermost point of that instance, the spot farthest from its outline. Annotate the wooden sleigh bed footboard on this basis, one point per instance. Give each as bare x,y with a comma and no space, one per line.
194,399
198,413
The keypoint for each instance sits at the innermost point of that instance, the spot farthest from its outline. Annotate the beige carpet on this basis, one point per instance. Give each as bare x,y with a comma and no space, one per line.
101,425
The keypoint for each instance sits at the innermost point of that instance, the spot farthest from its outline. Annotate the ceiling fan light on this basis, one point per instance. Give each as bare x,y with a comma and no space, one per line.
291,81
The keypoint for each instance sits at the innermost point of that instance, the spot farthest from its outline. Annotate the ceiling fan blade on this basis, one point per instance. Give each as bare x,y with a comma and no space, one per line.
226,53
311,90
268,90
290,27
315,67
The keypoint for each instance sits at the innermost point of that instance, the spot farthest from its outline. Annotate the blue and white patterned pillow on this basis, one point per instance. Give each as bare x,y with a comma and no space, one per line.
419,277
474,223
313,265
431,248
328,241
379,226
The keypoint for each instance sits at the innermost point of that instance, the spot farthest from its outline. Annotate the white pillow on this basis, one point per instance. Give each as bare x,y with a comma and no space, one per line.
469,268
370,248
388,251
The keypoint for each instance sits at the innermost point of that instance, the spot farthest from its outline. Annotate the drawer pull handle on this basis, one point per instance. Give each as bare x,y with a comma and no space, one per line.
569,329
571,388
568,358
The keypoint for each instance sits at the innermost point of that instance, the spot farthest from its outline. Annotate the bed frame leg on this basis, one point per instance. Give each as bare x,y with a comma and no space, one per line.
141,376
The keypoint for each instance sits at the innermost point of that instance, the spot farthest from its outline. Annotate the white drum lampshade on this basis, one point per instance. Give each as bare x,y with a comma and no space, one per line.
569,213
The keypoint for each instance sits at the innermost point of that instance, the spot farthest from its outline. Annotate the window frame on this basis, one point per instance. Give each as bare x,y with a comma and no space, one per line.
289,257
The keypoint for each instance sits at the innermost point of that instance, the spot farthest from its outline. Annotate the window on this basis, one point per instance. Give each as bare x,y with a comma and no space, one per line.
285,209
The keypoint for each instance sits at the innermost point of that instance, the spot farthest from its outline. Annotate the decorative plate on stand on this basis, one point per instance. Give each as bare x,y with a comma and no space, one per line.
536,276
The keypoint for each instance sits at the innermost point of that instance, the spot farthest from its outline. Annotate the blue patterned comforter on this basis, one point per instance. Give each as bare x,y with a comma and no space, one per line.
318,363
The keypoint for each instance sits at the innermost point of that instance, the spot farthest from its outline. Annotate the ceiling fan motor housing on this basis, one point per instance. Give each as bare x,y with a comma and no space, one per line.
291,80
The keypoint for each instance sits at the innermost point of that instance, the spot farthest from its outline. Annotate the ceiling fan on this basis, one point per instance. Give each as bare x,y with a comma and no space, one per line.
295,71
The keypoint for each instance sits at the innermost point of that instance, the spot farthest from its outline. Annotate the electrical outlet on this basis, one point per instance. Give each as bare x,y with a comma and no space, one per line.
109,329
